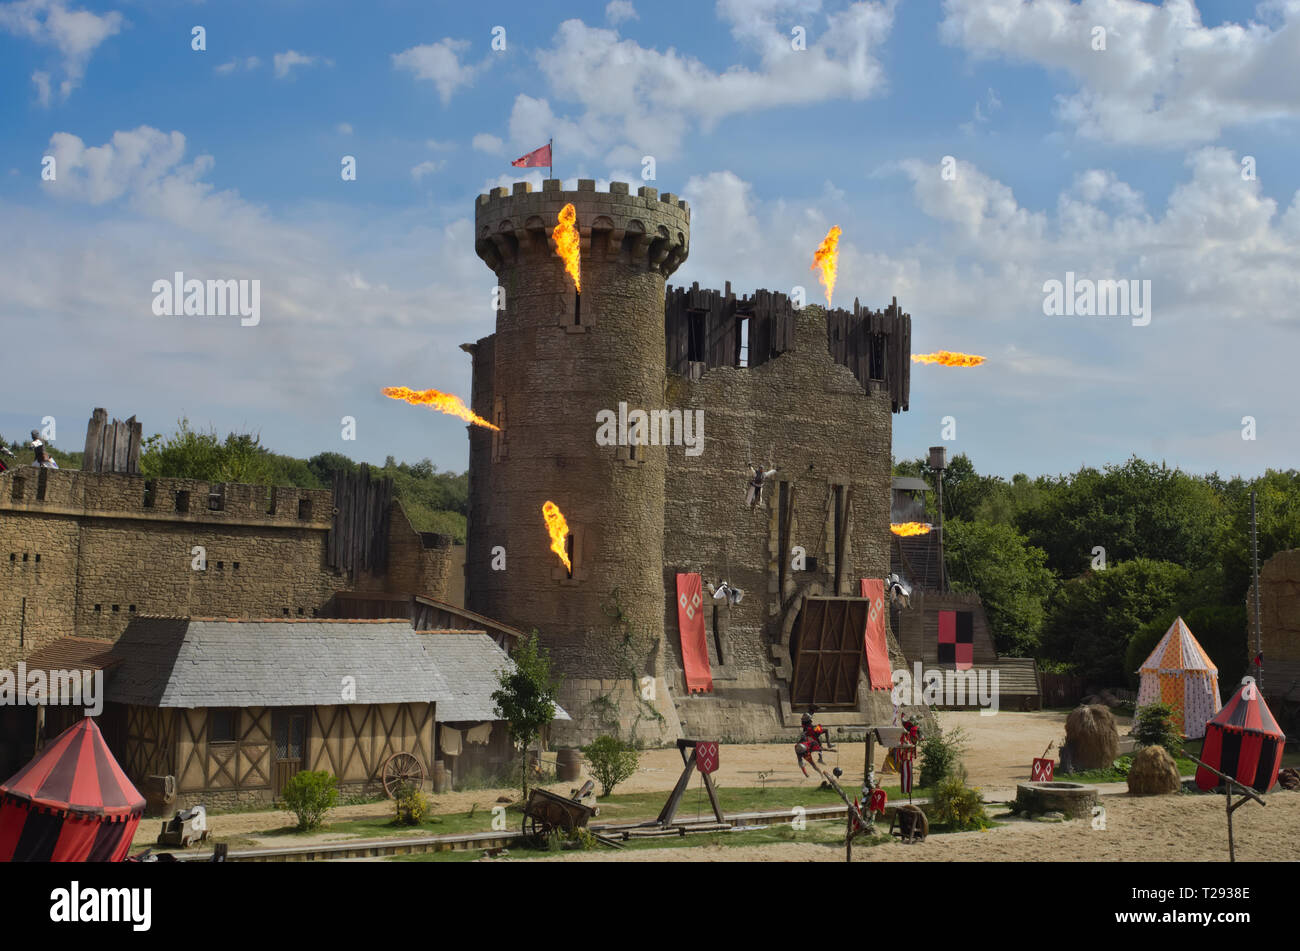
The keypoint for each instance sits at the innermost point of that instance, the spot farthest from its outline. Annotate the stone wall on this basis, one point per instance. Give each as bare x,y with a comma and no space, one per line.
808,417
543,376
82,553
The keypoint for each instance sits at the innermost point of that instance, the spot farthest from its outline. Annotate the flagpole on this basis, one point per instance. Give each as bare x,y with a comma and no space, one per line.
550,151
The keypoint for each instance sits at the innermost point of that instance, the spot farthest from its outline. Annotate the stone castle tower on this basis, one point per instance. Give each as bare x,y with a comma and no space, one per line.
557,358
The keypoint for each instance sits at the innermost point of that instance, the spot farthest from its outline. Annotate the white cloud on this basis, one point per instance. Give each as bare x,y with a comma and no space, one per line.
437,146
76,34
616,11
635,99
440,64
343,128
1164,77
41,80
346,302
426,168
249,63
488,143
290,59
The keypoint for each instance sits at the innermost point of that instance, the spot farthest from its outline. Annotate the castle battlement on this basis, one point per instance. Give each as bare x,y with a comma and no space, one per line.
120,495
646,229
703,330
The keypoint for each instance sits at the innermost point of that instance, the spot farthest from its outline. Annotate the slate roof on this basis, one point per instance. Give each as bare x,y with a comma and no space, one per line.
205,662
470,663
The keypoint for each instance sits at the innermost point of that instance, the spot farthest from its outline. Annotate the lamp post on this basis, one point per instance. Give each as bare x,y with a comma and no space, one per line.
939,462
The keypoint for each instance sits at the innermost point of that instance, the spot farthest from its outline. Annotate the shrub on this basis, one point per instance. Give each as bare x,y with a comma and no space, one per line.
309,796
410,805
1155,727
611,761
941,755
957,806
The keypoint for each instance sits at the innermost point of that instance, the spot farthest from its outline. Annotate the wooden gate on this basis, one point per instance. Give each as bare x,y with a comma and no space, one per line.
826,648
289,730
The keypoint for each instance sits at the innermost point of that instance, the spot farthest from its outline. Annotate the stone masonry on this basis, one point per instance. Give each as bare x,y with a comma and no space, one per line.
639,516
83,553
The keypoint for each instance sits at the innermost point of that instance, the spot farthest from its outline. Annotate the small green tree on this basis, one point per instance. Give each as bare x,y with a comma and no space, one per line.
941,755
409,805
525,698
1155,727
611,761
957,806
309,796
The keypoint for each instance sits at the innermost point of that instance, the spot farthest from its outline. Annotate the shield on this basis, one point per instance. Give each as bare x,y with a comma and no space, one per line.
706,757
1042,771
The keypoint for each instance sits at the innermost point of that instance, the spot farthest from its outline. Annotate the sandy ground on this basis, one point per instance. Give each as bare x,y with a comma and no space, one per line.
1179,828
1000,750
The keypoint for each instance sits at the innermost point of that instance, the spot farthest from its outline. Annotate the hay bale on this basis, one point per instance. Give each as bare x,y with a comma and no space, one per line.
1092,736
1153,773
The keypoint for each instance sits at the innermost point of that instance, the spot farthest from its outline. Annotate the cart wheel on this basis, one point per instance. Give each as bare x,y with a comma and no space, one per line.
401,769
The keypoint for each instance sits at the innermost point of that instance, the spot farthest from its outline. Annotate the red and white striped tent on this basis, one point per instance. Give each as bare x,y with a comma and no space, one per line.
72,803
1181,674
1243,741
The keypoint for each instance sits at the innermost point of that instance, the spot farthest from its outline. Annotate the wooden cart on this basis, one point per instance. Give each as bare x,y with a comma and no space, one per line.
546,812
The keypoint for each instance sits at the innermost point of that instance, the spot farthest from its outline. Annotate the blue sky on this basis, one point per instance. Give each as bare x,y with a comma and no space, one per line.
1122,163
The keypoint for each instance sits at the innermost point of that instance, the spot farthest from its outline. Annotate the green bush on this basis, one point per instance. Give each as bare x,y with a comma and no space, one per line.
611,761
309,796
1155,727
410,805
957,806
941,756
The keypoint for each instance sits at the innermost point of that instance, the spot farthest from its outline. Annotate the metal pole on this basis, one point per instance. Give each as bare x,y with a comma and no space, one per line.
1254,562
938,478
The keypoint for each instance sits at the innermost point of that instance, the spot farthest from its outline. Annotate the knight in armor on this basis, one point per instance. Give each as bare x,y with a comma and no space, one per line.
813,739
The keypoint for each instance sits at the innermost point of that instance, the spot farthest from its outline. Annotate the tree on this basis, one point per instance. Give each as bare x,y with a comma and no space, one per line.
1010,576
525,699
1137,510
611,761
1093,617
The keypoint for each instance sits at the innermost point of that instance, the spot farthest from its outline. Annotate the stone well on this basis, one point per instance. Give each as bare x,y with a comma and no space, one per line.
1075,800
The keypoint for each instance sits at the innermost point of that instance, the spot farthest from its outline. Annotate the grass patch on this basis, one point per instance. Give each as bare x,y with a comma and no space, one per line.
1112,775
829,834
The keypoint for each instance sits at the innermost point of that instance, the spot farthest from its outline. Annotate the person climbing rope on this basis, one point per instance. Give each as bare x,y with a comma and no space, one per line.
813,739
754,497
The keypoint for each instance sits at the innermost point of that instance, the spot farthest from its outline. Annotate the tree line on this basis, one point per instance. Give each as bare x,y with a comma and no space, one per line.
1087,571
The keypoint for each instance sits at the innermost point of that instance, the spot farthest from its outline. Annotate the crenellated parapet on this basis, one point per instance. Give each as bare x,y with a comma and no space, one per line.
649,230
703,330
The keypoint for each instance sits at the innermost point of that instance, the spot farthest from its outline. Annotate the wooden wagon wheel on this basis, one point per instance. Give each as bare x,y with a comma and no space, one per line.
402,769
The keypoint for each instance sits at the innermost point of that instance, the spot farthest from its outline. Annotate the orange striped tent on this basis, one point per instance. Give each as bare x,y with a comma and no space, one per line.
1181,674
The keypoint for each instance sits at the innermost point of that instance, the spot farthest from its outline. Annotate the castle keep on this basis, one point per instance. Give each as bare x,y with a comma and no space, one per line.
806,391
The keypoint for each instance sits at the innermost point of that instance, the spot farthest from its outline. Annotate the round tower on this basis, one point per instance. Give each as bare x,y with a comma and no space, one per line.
562,356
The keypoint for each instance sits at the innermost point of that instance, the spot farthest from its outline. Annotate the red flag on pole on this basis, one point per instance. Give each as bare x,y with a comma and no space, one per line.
535,158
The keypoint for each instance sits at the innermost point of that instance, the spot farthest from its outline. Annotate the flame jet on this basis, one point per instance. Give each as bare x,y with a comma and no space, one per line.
567,241
558,529
948,358
442,402
827,257
907,529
